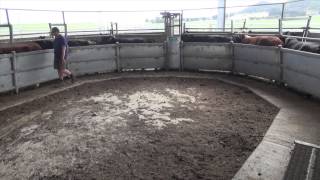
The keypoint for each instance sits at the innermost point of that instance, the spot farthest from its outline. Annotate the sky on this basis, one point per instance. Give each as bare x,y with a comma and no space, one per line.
119,5
110,5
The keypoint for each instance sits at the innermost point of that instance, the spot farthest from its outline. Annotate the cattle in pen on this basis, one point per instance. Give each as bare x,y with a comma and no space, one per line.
205,38
262,40
294,43
6,48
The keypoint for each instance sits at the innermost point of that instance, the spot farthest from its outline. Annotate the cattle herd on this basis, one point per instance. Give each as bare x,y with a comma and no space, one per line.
270,40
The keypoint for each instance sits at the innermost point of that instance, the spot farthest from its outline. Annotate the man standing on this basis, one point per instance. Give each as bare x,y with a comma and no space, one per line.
60,54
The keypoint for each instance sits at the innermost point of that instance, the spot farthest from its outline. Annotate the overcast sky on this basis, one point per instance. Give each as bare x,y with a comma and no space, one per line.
89,5
17,17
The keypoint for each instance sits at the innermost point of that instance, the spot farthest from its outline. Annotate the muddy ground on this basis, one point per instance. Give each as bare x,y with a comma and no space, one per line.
152,128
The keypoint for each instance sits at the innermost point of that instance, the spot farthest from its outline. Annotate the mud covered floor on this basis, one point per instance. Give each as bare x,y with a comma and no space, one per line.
153,128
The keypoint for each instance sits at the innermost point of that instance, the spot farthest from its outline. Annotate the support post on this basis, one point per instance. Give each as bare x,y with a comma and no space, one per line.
63,18
181,57
306,30
280,27
118,57
222,14
10,33
232,28
282,11
7,14
281,65
232,59
14,71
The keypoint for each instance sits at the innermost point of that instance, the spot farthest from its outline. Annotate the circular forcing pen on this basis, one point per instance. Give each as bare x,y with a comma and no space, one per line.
135,128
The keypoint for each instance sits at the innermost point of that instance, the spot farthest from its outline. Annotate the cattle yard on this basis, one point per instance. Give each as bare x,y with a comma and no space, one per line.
180,103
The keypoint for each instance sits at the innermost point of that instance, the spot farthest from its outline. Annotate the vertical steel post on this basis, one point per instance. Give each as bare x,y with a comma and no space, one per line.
280,27
181,23
222,14
9,26
7,14
244,24
181,56
14,71
232,28
63,18
118,57
10,32
282,12
306,30
50,27
281,64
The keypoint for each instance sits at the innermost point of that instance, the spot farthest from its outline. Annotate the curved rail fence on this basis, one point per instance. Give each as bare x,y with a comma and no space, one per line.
298,70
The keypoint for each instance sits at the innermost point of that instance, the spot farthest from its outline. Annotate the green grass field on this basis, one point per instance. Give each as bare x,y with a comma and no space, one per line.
87,26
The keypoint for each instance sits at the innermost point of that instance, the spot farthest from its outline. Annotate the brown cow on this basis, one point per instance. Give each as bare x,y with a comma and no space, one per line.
19,47
262,40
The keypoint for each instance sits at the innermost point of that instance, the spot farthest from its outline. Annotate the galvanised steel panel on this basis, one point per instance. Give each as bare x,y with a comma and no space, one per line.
93,66
302,82
5,65
196,63
173,53
32,77
259,54
258,61
92,52
34,60
207,50
302,62
257,69
139,63
6,83
141,50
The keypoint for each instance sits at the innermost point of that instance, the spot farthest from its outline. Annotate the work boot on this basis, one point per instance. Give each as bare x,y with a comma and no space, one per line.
72,78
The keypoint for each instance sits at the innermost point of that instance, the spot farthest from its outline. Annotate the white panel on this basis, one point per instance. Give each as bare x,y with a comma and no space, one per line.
36,76
303,83
5,65
141,51
138,63
307,63
256,69
206,50
6,83
90,67
26,61
90,53
196,63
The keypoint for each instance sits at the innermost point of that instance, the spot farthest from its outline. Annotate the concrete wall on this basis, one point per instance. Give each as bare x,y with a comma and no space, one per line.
258,61
299,70
207,56
92,59
142,56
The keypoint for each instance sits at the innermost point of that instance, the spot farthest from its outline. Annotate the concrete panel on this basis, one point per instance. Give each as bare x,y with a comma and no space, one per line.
258,61
6,83
267,55
36,76
92,53
258,69
303,62
196,63
92,66
302,82
138,63
141,50
31,60
173,56
5,65
207,50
